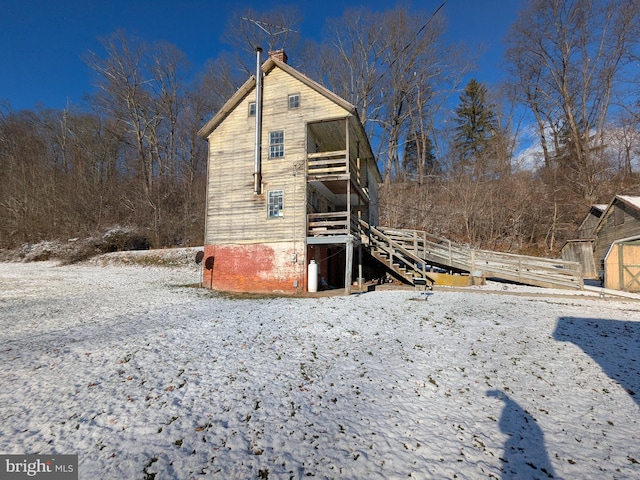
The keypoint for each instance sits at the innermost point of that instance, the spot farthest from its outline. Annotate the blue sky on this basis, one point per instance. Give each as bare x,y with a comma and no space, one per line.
42,42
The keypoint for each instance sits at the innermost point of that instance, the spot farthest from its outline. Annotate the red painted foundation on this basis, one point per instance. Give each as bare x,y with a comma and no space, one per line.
251,268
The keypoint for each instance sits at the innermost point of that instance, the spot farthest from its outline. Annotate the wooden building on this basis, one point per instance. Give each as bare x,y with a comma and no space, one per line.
622,265
290,171
581,249
605,227
619,221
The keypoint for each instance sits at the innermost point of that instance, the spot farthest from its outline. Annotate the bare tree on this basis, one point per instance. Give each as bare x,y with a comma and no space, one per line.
567,57
276,29
142,87
392,67
124,95
349,61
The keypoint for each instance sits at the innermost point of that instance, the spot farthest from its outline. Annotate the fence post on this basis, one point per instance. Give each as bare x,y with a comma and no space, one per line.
520,268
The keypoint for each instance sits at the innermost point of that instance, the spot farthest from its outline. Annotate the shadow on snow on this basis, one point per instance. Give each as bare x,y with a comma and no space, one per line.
613,344
524,454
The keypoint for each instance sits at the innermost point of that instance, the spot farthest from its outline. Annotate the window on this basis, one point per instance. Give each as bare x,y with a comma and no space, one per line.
294,101
618,215
275,203
276,144
252,109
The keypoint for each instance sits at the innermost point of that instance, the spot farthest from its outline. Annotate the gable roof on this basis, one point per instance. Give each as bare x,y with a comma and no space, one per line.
250,84
632,201
596,211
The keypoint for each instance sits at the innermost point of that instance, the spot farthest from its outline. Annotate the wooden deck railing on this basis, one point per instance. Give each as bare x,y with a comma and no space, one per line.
332,223
327,163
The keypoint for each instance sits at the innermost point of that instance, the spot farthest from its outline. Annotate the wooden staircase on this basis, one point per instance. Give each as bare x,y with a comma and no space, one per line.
411,255
404,263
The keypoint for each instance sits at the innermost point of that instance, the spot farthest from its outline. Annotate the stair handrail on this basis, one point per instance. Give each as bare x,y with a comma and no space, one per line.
452,255
394,247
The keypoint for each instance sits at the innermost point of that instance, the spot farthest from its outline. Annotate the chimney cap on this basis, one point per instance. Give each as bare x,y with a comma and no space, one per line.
279,55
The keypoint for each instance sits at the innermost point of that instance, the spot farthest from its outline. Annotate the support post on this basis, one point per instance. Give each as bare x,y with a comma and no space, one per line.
621,285
360,279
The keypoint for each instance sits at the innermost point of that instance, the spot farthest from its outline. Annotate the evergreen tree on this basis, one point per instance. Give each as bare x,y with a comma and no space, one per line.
476,124
419,159
431,163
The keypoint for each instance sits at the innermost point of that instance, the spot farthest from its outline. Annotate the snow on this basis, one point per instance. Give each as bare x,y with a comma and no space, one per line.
634,201
144,375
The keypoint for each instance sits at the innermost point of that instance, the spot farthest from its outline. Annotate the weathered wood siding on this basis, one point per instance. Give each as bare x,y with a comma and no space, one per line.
581,251
589,224
235,215
374,198
620,221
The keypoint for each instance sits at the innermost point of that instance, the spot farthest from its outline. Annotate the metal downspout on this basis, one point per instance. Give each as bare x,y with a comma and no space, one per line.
257,168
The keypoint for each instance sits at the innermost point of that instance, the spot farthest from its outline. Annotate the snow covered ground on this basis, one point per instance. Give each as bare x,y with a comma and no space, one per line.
144,376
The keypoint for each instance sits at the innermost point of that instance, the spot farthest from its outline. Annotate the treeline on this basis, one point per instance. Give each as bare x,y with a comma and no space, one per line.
449,146
129,158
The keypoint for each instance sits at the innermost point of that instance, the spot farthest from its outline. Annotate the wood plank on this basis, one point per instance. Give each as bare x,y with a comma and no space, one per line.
337,153
321,171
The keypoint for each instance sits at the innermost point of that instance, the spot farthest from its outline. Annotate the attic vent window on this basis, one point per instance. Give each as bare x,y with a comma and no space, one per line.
294,101
275,203
276,144
252,109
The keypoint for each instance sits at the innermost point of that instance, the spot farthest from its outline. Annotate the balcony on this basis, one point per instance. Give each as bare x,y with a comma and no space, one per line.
327,164
331,224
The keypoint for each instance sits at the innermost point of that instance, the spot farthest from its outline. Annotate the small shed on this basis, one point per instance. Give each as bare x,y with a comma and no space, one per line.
581,251
622,265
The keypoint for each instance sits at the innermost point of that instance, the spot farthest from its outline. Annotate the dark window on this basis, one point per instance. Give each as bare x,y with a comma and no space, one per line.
252,109
275,203
294,101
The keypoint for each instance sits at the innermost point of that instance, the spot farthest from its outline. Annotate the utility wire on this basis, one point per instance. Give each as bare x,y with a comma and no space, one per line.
413,39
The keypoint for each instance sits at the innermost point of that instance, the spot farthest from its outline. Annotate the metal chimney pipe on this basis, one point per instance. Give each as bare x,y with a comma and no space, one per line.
257,169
